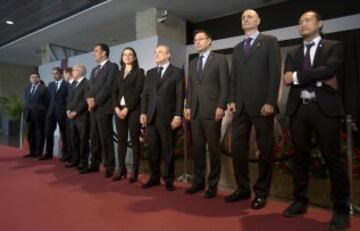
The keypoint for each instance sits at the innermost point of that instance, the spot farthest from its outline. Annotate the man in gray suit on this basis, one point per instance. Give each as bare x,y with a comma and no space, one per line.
255,79
207,98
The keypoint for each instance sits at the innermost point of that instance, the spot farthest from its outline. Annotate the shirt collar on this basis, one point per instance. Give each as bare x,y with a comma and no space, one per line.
253,36
205,54
316,41
103,63
81,78
164,66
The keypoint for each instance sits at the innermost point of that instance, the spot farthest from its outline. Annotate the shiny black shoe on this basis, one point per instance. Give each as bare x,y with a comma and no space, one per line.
29,155
89,170
150,184
195,188
45,157
71,165
65,159
169,187
210,193
133,178
237,195
259,202
340,221
297,208
108,173
120,174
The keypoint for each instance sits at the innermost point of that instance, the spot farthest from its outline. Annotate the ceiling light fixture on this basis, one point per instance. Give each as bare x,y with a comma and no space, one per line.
9,22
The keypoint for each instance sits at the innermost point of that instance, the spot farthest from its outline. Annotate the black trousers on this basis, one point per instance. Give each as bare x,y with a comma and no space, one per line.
69,136
80,137
36,132
123,126
241,129
101,140
309,119
51,123
206,131
161,142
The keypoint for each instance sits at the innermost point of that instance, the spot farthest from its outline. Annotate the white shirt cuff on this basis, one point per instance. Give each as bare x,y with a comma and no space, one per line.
295,78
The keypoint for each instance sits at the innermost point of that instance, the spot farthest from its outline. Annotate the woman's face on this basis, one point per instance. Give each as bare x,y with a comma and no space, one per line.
128,57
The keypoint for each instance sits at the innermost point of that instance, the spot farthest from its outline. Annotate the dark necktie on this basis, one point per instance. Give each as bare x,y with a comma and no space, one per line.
97,69
32,90
200,64
57,85
247,46
307,59
75,83
159,72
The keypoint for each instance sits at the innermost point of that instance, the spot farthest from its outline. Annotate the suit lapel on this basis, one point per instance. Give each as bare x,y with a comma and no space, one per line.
318,53
165,76
206,67
257,43
299,56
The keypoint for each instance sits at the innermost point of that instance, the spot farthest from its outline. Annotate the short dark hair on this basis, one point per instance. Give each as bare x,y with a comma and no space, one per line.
318,18
57,69
35,73
135,64
197,31
67,69
105,48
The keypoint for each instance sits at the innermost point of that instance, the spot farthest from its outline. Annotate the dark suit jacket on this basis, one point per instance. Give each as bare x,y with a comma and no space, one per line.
164,97
328,58
255,78
100,87
131,88
57,104
210,89
38,103
76,100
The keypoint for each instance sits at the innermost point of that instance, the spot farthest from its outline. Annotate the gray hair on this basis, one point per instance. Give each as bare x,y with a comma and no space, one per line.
80,68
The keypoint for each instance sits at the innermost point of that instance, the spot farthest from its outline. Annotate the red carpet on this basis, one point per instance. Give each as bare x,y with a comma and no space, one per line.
44,196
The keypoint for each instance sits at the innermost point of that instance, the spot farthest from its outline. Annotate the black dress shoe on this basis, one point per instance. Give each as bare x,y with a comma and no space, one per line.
46,157
108,173
150,183
237,195
65,159
210,193
89,170
133,178
195,188
297,208
339,221
259,202
71,165
29,155
120,174
169,187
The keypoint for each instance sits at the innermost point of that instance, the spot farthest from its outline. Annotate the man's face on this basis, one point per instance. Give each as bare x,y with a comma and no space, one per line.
67,75
56,74
201,42
309,25
162,55
250,20
34,79
98,54
76,73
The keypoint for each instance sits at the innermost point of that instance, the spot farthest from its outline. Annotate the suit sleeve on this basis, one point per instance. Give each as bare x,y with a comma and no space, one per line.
189,88
139,85
179,94
224,80
274,72
325,71
82,104
145,95
105,91
233,77
115,93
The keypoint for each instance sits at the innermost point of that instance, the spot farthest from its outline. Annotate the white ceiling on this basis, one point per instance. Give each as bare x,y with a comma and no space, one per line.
113,22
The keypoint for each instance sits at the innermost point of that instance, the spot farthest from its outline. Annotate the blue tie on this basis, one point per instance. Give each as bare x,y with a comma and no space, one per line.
247,46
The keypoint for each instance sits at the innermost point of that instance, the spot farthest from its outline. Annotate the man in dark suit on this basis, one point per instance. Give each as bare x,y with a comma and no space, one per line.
207,98
36,104
77,112
56,114
314,106
255,78
101,112
161,111
67,76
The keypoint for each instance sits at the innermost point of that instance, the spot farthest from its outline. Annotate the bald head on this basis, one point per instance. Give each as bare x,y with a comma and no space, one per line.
250,21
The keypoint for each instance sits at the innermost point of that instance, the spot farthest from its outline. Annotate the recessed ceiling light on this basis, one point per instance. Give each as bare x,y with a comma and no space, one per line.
9,22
